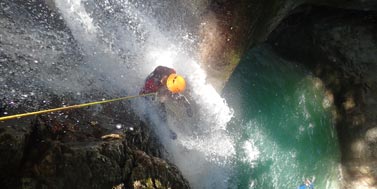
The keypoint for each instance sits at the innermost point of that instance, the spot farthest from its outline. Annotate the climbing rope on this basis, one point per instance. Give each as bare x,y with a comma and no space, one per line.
71,107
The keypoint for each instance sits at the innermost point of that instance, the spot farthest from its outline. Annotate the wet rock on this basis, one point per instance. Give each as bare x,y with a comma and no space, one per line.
229,27
363,5
56,152
41,12
371,135
13,140
159,170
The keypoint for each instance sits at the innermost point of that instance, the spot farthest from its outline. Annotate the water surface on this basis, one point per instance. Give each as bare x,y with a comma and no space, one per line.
283,124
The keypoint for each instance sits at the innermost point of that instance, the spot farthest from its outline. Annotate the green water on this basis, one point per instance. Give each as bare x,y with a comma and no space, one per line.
282,123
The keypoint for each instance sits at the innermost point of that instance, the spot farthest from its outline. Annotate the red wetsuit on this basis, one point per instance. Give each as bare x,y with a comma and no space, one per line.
154,80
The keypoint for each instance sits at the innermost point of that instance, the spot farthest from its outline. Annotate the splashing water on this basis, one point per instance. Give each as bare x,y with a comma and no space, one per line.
124,38
99,49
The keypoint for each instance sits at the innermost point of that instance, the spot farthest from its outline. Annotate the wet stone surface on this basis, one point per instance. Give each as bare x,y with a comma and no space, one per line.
51,152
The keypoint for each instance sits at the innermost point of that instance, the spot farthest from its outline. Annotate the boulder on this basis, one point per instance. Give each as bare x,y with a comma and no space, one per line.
51,152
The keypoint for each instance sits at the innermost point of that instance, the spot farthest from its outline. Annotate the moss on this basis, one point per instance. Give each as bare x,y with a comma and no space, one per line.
149,184
234,58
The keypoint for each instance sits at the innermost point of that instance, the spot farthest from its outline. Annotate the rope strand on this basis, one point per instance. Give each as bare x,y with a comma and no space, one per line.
71,107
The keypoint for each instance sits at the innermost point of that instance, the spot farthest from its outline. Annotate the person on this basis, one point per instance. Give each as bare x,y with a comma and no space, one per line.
308,184
169,86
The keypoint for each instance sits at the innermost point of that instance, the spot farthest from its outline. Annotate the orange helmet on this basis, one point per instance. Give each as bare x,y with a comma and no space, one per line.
175,83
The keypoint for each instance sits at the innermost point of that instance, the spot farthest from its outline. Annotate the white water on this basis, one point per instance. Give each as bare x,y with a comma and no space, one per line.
123,41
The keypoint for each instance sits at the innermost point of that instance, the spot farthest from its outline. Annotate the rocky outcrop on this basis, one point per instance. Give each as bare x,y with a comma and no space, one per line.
340,47
229,27
50,152
12,144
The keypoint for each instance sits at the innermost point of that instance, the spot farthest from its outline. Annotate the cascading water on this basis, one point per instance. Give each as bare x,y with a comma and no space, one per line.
134,35
110,48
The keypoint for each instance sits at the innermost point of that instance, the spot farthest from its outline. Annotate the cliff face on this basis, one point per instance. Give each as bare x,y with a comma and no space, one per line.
230,27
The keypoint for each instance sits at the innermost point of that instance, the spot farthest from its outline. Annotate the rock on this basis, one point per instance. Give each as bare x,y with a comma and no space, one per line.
151,169
70,153
42,12
231,27
371,135
363,5
13,141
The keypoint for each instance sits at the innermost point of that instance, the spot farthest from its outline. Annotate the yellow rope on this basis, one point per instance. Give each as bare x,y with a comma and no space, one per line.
70,107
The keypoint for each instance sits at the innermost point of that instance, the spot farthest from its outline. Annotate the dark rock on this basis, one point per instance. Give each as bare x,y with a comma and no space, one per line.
41,12
68,152
363,5
158,170
13,141
232,26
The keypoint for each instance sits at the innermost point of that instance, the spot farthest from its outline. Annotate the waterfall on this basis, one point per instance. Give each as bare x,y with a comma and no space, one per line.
123,41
